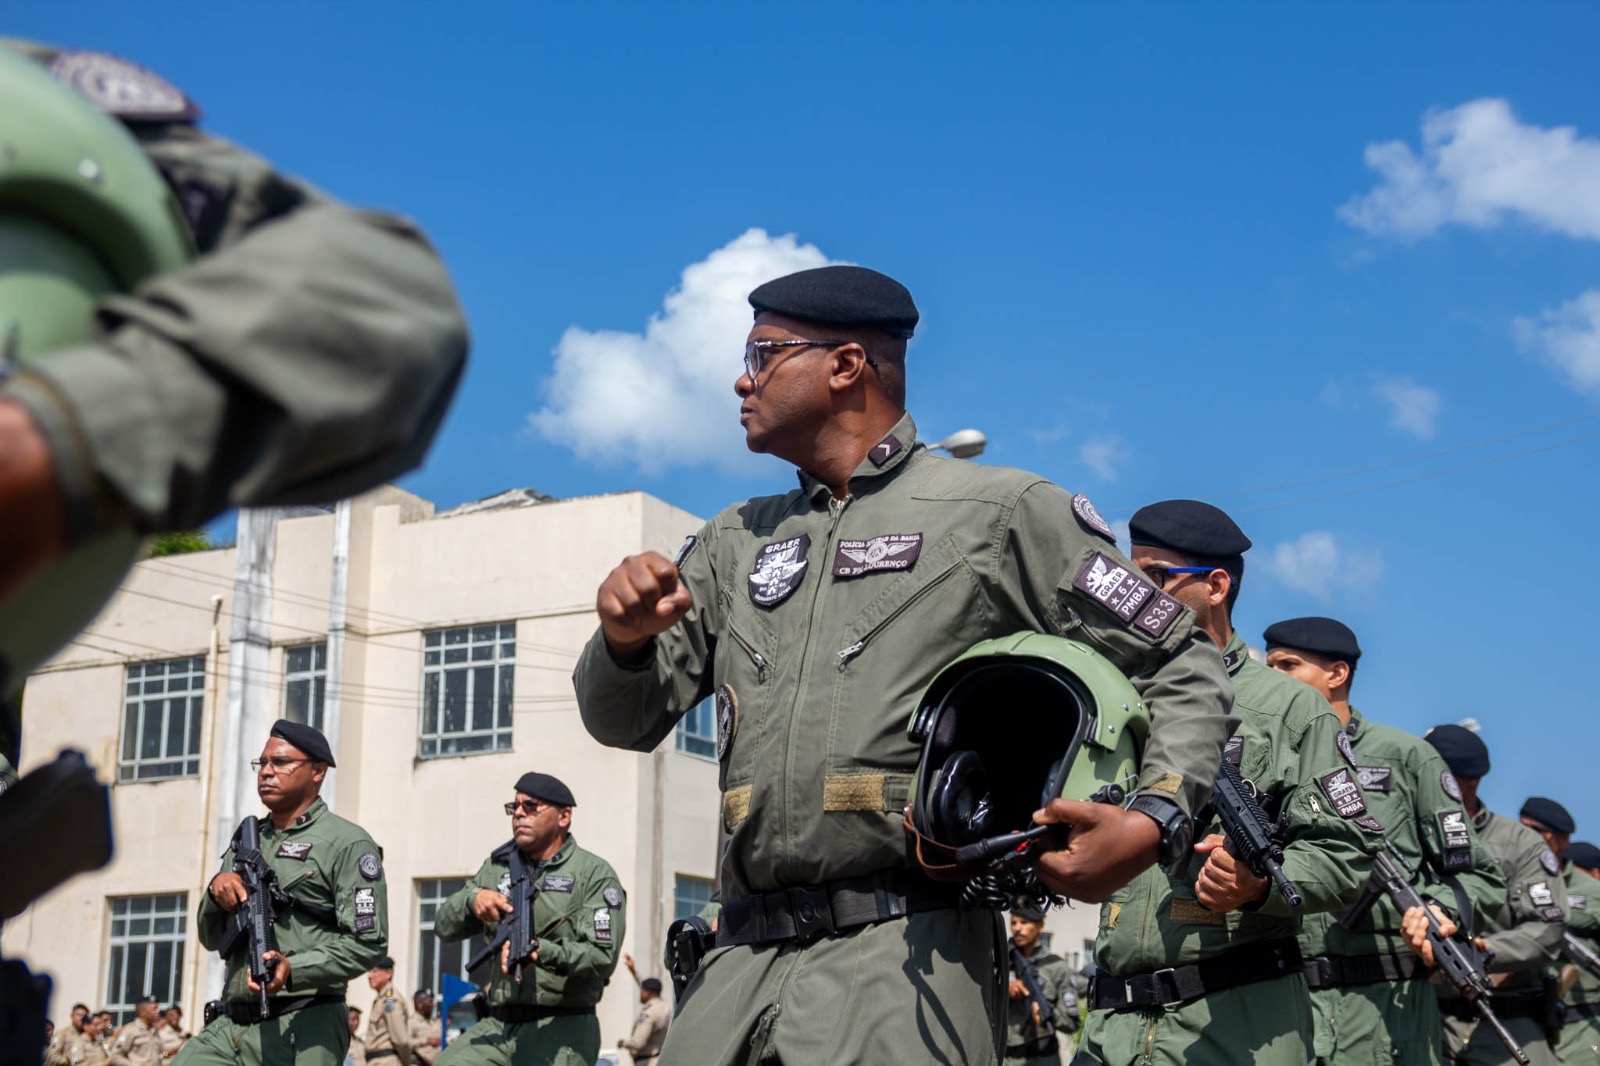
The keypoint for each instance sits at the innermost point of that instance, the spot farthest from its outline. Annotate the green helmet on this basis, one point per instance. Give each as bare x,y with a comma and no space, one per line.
1010,725
83,213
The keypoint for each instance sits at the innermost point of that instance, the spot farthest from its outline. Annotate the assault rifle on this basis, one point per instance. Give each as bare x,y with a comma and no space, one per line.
1252,836
1023,967
517,927
1580,954
250,926
1461,962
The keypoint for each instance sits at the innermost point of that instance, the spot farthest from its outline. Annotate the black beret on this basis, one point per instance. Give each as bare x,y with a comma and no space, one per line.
1324,636
1188,526
423,993
309,740
840,296
385,963
1582,853
1464,751
1548,813
651,984
145,999
544,787
1027,912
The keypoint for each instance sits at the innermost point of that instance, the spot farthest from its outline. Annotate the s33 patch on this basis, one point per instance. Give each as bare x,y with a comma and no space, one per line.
1127,595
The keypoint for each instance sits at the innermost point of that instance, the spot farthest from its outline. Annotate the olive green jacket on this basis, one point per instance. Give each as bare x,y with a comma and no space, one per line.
1583,893
1057,981
819,623
1411,791
1285,745
579,915
327,861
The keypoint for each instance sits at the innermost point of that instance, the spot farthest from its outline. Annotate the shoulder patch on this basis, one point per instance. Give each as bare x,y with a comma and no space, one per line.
1090,519
602,925
612,895
1539,892
1548,860
370,865
1128,596
1344,793
1341,740
1457,840
1447,781
727,708
124,89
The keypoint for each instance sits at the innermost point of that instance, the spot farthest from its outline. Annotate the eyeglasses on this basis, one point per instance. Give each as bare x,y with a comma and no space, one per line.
758,353
277,762
529,807
1158,574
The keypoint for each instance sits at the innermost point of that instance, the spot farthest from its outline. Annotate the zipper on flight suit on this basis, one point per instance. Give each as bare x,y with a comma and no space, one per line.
846,654
756,657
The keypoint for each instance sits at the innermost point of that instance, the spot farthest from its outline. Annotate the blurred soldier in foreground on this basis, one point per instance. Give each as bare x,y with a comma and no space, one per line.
541,1014
1369,989
817,620
1201,966
332,919
1031,1036
1525,932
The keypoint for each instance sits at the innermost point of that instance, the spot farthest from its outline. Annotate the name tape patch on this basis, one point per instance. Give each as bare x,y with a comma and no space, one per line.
1376,778
293,849
887,551
557,883
366,901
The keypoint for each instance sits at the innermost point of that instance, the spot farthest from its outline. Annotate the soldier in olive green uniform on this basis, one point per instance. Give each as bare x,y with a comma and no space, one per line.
1580,1037
1202,966
1525,932
546,1019
816,620
245,340
1370,992
1030,1042
389,1021
336,930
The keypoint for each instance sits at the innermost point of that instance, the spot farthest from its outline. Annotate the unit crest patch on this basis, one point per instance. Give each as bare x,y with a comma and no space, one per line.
780,567
1447,781
370,865
1090,519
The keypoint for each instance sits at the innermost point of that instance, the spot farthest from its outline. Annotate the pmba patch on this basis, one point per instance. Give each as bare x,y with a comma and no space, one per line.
1376,778
293,849
887,551
366,902
1344,793
557,883
1453,828
602,924
1090,519
1539,892
779,569
1126,595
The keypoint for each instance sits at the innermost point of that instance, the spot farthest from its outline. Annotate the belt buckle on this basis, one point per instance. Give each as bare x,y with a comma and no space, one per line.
1161,977
813,915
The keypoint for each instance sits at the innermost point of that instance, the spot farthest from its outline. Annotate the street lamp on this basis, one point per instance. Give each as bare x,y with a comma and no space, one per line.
963,444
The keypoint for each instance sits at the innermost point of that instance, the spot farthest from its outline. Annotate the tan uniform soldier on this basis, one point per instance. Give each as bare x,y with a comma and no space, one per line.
427,1032
172,1034
650,1027
356,1055
389,1020
59,1053
137,1044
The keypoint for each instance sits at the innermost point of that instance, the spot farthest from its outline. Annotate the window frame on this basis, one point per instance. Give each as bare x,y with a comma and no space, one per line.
133,765
695,904
438,668
116,966
315,678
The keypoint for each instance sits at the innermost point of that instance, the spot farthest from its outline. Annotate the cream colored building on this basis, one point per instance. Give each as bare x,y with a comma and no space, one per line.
457,633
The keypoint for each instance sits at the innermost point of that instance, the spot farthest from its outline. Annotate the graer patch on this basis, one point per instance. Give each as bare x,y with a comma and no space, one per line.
293,849
366,901
1457,841
779,569
1539,892
1090,519
602,924
1126,595
887,551
1376,778
1344,794
1233,750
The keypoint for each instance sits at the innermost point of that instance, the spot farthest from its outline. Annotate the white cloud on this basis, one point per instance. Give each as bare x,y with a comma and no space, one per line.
1318,565
1480,167
1413,408
1567,338
665,397
1102,454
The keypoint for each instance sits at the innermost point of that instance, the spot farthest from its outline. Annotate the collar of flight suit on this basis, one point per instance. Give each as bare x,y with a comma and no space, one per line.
1234,655
1481,819
306,818
1356,726
900,442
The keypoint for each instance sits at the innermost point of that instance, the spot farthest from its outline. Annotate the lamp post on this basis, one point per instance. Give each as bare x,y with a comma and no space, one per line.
963,444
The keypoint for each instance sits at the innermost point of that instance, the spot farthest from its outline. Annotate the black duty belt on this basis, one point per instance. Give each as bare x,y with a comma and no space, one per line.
249,1012
517,1013
1265,960
815,911
1347,971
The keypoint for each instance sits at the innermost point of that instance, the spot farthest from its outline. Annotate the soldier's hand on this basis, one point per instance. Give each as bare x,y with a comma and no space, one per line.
227,889
1108,847
1225,882
1017,989
627,960
637,600
1033,1012
280,973
1414,927
488,905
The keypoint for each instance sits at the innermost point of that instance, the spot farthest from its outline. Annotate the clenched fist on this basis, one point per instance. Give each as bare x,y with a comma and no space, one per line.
637,600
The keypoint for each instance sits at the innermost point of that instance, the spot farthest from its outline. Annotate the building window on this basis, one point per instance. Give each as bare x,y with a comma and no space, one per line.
697,730
436,957
161,719
147,935
305,683
466,689
689,895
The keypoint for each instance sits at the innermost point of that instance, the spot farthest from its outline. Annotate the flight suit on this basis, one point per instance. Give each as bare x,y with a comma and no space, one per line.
1580,1036
421,1030
1039,1045
136,1045
649,1032
328,862
1259,1009
1525,936
1362,1016
817,624
548,1019
389,1029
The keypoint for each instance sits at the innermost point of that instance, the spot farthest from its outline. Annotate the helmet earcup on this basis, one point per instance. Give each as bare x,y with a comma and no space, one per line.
960,800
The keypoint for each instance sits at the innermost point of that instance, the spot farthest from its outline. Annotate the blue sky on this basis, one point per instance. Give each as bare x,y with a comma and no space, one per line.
1219,252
